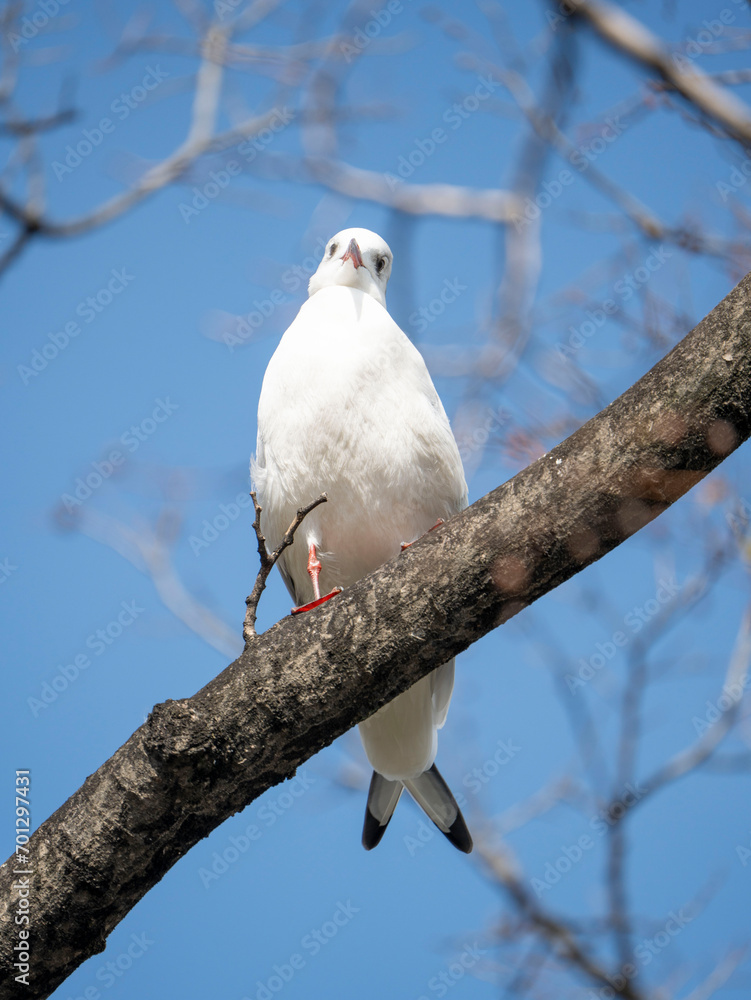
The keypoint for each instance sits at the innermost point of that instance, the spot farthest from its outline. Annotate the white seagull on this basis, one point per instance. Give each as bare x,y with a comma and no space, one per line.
348,408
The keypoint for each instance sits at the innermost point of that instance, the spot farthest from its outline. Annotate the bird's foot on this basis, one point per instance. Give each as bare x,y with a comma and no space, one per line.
314,604
439,522
314,570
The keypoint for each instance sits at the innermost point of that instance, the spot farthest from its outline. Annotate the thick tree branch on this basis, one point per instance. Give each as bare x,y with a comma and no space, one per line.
199,760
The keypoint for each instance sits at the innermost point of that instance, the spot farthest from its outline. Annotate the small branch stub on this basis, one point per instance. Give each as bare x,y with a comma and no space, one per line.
268,561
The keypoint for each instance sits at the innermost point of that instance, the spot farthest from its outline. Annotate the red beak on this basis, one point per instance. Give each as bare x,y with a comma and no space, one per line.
353,254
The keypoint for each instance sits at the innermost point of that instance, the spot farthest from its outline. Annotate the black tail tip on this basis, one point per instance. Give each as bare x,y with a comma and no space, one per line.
459,835
372,831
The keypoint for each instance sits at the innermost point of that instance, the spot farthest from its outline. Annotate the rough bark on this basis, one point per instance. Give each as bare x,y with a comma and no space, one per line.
307,680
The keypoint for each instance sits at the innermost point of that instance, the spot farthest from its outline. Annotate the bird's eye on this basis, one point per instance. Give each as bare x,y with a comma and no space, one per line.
380,264
334,247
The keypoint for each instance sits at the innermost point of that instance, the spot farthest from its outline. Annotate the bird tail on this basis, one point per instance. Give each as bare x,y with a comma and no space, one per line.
434,797
430,792
382,799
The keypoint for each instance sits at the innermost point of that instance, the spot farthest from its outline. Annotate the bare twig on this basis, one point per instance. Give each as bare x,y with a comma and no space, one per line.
19,241
558,932
636,686
200,139
735,684
631,37
268,561
692,757
33,126
728,78
451,200
146,547
719,975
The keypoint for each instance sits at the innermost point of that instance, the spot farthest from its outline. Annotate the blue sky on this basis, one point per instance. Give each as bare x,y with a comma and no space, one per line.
135,311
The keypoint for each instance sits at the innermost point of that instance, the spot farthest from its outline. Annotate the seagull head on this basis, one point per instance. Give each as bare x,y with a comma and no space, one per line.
355,258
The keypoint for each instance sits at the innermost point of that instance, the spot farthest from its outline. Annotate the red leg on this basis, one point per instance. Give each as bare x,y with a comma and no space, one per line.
314,571
439,522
